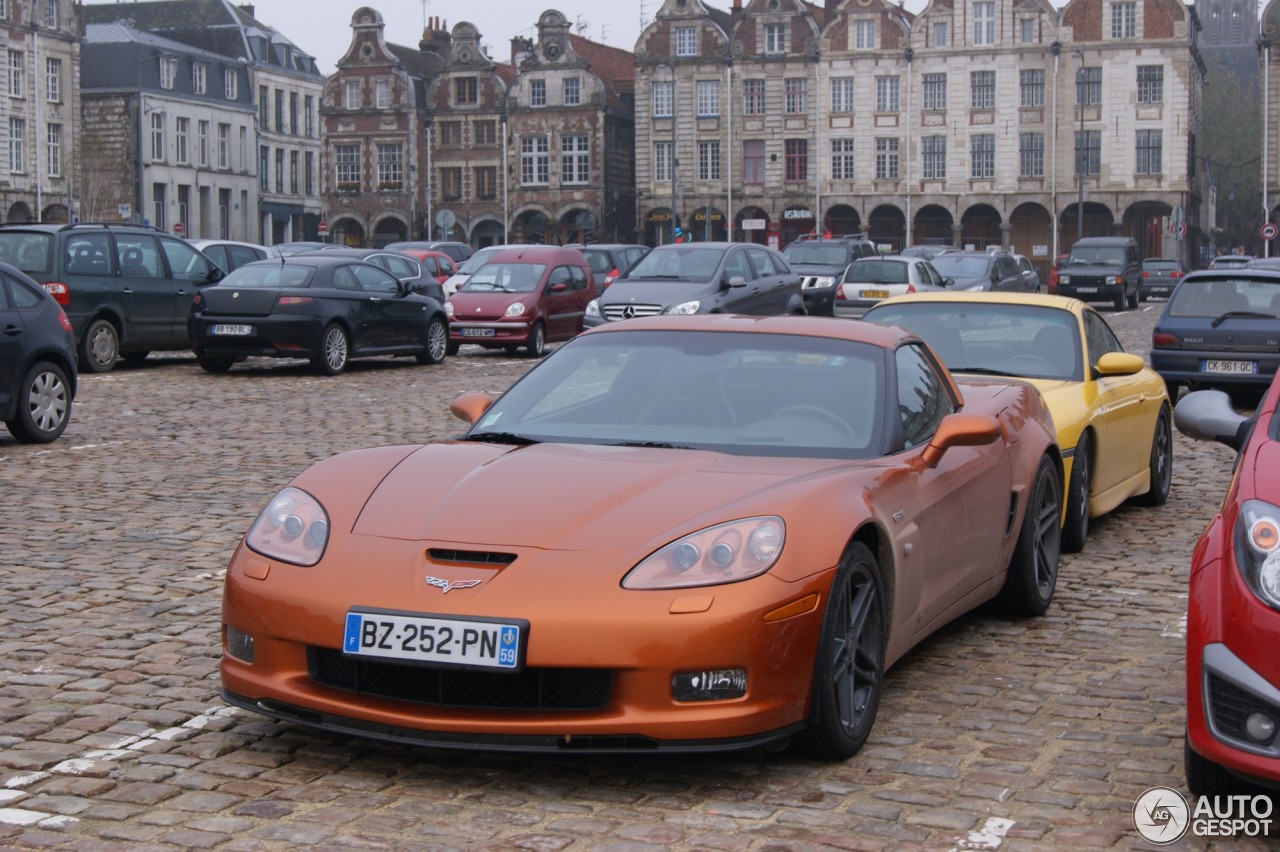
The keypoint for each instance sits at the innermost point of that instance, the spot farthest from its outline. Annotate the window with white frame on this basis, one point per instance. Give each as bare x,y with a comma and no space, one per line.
231,83
535,161
864,34
1124,20
662,98
753,97
351,94
168,71
935,91
1150,152
708,96
575,158
982,89
886,94
390,165
940,34
886,158
572,91
181,140
842,94
1027,30
17,66
224,146
842,159
53,151
753,161
538,93
4,8
662,161
51,14
1089,86
686,41
202,143
984,22
53,80
775,38
382,93
709,160
1150,84
308,115
982,156
199,78
1031,87
346,166
933,151
157,137
17,141
1030,155
797,160
796,90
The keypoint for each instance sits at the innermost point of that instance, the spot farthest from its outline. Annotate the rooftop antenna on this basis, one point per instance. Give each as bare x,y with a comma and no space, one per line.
580,26
424,14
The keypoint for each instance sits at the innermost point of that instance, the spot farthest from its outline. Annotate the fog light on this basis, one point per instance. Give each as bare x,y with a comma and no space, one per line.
715,685
1260,727
239,644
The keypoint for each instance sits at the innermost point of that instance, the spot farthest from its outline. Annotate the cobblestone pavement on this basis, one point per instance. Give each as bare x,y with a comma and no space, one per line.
994,733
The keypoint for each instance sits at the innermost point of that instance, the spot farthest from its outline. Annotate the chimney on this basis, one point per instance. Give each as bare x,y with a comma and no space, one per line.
248,9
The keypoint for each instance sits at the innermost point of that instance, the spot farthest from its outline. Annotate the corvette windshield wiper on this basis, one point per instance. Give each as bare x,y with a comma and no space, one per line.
986,371
500,438
662,445
1249,314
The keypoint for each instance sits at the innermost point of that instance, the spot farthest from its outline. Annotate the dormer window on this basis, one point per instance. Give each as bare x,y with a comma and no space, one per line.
168,71
686,41
775,38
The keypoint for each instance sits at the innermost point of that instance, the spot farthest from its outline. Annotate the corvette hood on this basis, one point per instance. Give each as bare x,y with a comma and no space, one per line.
560,496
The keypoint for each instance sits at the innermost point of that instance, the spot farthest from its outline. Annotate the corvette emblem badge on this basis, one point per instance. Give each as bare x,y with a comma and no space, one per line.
446,586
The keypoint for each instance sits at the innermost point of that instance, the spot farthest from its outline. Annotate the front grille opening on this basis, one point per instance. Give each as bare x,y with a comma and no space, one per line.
471,557
1231,707
531,689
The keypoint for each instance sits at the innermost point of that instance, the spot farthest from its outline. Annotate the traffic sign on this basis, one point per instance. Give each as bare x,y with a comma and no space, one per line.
1178,229
323,227
1269,231
177,228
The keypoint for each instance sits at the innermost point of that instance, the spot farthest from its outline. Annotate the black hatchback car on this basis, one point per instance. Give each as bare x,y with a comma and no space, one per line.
126,289
324,307
405,269
37,360
702,278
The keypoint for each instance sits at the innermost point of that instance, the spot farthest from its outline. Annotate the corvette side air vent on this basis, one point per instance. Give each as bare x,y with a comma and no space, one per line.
470,557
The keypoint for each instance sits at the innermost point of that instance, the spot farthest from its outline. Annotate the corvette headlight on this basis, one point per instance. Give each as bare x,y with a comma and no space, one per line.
293,528
725,553
684,309
1258,550
593,308
515,309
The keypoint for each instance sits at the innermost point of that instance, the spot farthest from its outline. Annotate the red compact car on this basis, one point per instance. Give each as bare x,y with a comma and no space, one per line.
525,296
1233,613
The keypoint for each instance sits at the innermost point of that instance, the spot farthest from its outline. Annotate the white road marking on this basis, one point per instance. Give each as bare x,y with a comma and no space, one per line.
990,836
1175,629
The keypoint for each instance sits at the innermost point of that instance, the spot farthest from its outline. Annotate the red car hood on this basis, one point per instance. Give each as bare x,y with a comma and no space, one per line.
484,306
562,496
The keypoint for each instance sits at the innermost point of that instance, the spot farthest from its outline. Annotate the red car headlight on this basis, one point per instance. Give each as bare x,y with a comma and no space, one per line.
725,553
293,528
1258,550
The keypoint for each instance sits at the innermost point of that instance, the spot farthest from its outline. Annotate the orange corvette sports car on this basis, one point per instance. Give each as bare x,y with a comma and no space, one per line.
732,527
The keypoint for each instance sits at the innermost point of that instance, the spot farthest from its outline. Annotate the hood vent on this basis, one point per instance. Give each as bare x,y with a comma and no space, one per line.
470,557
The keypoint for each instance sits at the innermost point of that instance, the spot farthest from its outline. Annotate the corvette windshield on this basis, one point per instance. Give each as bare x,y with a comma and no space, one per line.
1015,340
751,394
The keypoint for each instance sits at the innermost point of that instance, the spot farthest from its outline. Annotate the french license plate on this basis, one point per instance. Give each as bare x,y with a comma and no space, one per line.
875,294
233,330
435,639
1232,367
1086,289
478,332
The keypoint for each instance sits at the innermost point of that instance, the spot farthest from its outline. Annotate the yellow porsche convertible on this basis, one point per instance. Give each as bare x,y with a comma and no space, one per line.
1111,411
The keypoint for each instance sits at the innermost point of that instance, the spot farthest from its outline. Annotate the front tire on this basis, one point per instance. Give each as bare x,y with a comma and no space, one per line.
1133,300
335,349
1076,529
213,363
1119,303
436,342
848,676
100,347
537,345
1161,463
44,404
1033,570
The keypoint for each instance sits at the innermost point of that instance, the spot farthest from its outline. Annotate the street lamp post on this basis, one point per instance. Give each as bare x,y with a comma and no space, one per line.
1081,155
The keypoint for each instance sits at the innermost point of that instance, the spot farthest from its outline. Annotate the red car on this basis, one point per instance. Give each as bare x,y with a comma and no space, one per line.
1233,612
522,297
437,264
1053,272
